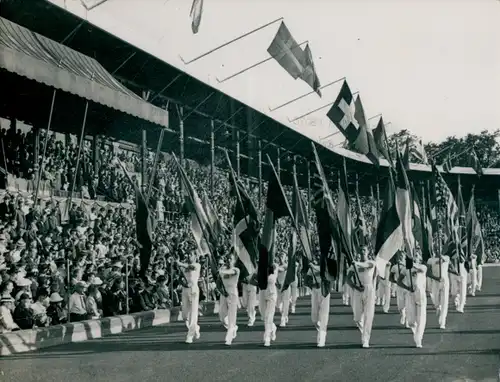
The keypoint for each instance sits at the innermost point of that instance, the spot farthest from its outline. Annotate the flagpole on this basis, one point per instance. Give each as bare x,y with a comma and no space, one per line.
77,167
256,64
315,110
305,95
155,165
229,42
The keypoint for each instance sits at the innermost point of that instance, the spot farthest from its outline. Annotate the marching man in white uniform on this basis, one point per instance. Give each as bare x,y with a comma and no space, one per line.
401,293
191,296
472,276
320,300
228,308
384,289
437,271
413,280
267,304
284,296
363,299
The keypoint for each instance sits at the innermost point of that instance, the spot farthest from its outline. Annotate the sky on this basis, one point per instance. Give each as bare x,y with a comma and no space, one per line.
429,66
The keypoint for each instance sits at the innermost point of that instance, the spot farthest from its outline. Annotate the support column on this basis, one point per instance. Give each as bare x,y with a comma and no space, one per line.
238,152
278,162
36,145
212,157
250,146
181,136
308,164
95,153
259,164
144,152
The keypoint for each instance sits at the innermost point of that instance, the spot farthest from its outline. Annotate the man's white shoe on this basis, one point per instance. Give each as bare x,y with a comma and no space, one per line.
197,333
267,343
189,340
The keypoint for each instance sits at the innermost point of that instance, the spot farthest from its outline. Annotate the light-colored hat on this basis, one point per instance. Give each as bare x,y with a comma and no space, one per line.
23,282
21,243
96,281
117,264
55,297
82,284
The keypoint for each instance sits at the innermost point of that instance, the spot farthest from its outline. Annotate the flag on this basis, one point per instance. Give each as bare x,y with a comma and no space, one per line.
414,151
292,265
301,219
144,230
403,204
447,165
364,142
217,226
462,217
246,228
195,14
342,114
361,235
389,232
285,50
329,227
474,163
309,74
474,233
201,228
276,208
380,138
344,206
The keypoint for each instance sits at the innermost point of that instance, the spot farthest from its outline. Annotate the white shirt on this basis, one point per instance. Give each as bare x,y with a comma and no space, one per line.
419,278
271,289
281,274
434,262
366,273
229,277
77,304
192,276
6,321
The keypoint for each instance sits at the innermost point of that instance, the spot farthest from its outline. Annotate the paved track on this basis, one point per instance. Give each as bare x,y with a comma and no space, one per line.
469,349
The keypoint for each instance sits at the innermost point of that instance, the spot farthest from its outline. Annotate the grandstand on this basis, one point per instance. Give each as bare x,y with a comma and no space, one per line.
134,98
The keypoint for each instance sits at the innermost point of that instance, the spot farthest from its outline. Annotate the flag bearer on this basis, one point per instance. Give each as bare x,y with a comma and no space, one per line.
191,296
284,295
384,289
413,280
401,293
229,299
458,283
363,299
472,276
267,304
320,300
294,288
437,271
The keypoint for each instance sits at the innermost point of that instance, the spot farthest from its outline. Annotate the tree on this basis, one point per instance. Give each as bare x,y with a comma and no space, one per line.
486,145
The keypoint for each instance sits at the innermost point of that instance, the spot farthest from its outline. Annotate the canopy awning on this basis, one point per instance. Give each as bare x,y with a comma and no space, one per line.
38,58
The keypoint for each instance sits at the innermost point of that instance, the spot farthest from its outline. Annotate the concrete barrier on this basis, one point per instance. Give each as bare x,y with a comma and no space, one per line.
34,339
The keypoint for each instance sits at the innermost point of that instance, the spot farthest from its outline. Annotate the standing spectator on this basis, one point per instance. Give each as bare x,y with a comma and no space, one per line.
77,303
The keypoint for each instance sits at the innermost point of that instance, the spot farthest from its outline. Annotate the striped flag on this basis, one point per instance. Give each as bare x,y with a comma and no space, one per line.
389,232
462,216
277,207
285,50
361,235
417,218
329,227
246,227
474,233
403,204
217,226
301,219
195,14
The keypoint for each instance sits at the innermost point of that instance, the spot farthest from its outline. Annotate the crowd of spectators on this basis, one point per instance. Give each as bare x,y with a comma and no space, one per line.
63,260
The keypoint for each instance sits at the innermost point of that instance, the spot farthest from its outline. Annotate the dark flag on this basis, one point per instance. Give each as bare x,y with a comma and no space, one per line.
380,137
285,50
144,229
196,13
474,163
276,207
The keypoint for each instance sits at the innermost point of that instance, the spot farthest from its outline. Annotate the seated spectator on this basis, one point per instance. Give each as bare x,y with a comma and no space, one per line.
7,323
77,303
57,313
39,308
23,315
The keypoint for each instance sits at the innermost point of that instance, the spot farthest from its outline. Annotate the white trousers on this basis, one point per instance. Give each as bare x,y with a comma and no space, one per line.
441,297
346,294
384,294
417,317
363,307
401,297
294,293
458,287
190,304
472,280
284,299
267,307
249,300
479,277
320,309
228,309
